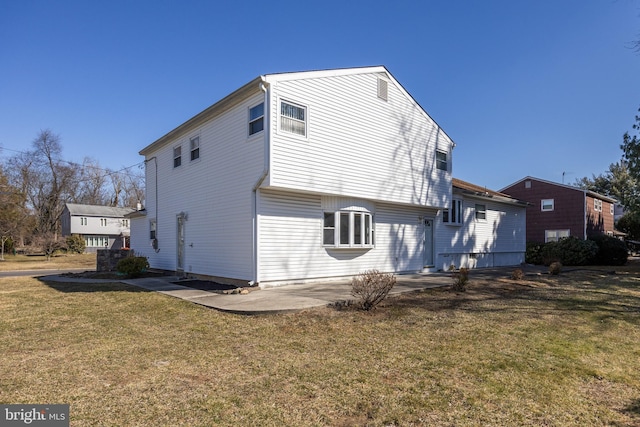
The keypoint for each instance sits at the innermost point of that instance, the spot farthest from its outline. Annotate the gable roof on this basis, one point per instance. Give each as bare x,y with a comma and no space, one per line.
97,210
569,187
474,190
262,81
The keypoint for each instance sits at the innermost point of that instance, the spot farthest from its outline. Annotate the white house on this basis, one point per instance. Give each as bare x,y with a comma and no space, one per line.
102,227
297,177
482,228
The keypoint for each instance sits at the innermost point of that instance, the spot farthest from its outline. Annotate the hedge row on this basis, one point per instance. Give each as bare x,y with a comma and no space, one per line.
600,250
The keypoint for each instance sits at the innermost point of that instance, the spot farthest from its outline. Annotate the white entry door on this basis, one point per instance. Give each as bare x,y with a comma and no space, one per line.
428,243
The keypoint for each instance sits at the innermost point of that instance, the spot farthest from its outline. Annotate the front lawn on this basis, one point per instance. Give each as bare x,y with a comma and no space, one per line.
547,350
39,262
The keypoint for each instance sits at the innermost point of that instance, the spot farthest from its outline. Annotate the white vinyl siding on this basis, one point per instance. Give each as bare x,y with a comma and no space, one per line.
358,146
499,240
291,238
216,196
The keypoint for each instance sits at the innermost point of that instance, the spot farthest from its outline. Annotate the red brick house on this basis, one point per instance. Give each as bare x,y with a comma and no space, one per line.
559,210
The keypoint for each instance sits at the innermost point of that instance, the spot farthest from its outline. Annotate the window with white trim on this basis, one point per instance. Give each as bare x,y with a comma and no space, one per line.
125,222
348,229
611,209
152,229
177,156
293,118
96,241
597,205
194,145
83,221
555,235
481,212
103,222
256,119
547,205
453,215
441,160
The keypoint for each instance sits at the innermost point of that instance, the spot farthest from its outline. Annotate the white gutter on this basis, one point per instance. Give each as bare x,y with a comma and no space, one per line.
254,206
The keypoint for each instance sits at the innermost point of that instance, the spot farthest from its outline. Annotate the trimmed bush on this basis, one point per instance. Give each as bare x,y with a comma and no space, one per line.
75,244
517,274
460,279
133,266
371,287
534,253
569,251
555,268
611,251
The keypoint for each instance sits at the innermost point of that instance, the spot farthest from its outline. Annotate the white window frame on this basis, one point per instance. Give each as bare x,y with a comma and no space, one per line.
548,202
339,229
555,235
194,148
177,156
96,241
597,205
256,119
453,215
612,209
282,117
480,213
153,229
125,223
103,222
83,220
440,162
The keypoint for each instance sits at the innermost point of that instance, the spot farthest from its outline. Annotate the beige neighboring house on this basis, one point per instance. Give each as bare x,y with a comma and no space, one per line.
102,227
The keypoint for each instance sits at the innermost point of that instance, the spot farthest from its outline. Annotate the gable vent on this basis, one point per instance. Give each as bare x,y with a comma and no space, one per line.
383,89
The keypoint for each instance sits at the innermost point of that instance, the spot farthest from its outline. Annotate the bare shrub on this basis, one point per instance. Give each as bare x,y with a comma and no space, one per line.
555,268
460,279
371,287
517,274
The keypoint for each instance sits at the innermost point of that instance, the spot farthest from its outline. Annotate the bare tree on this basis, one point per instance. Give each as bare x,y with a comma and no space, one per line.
47,181
91,188
11,213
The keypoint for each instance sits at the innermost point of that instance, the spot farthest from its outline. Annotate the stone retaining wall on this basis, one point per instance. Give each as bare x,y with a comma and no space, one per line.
107,259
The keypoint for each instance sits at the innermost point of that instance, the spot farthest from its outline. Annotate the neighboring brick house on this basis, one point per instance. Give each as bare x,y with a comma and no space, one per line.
559,210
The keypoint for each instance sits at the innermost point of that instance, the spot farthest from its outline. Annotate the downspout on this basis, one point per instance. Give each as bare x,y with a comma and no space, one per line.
255,276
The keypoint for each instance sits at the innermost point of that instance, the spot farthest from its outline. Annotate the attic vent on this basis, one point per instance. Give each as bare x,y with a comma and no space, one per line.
383,89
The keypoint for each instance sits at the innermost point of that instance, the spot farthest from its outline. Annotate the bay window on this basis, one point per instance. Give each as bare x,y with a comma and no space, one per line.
348,229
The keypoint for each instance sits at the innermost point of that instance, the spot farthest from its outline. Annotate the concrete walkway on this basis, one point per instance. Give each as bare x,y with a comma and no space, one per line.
290,297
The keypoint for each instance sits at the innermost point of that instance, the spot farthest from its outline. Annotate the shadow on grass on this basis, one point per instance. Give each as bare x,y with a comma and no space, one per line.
632,408
589,292
72,287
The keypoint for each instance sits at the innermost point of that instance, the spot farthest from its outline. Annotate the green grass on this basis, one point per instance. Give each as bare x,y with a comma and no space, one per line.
557,351
39,262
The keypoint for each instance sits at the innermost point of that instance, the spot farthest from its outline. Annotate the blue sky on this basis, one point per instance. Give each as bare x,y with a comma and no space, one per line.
524,87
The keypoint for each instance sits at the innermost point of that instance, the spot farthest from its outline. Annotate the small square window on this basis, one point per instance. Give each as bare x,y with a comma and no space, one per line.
256,119
481,212
527,184
177,156
547,205
195,148
441,160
